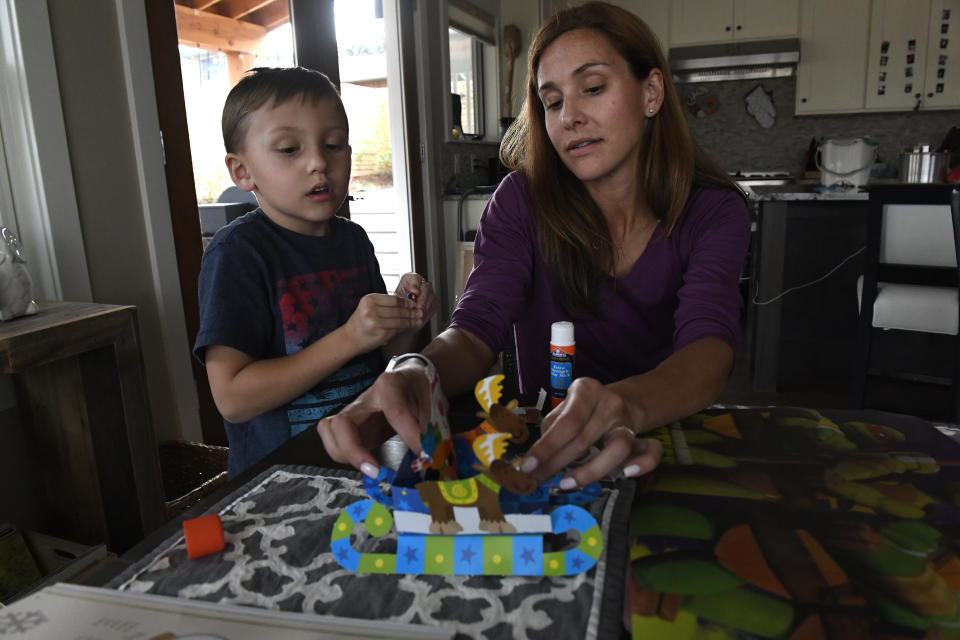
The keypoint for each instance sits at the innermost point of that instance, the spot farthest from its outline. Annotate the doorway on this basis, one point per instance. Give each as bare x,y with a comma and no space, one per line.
213,59
219,47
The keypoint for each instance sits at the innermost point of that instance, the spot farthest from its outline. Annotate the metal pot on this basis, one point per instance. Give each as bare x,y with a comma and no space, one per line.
922,164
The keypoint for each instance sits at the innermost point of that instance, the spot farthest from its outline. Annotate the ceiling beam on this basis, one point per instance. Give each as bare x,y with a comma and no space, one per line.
240,8
271,16
216,33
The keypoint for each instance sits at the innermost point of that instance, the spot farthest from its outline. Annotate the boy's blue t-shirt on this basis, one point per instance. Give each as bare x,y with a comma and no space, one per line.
269,292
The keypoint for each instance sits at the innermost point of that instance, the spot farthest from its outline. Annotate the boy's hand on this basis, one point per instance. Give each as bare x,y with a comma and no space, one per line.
415,287
378,318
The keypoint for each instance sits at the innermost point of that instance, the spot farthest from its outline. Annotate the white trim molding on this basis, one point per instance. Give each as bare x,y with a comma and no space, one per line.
45,214
6,196
145,132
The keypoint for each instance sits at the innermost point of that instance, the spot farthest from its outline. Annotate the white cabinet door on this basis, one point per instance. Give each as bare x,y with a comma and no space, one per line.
897,54
833,55
712,21
941,86
700,21
656,13
763,19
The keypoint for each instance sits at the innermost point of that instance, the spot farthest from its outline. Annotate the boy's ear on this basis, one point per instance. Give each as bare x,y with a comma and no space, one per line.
239,172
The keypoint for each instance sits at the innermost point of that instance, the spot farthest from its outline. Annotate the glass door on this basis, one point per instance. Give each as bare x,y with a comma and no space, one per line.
368,55
220,42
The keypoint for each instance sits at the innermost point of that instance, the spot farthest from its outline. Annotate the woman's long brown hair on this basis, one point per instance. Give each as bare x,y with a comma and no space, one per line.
573,233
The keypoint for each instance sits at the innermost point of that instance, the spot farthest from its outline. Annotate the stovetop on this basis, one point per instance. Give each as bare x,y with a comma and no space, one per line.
762,177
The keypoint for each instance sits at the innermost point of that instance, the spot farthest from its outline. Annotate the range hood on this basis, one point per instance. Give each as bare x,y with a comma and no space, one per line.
735,60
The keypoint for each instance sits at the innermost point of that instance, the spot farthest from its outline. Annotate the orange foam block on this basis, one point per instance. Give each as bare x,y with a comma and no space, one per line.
203,535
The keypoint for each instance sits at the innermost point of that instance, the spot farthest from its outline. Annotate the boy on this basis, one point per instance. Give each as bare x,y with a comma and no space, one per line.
294,316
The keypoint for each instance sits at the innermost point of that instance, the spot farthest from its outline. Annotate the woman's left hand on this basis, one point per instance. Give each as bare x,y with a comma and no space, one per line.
592,415
415,287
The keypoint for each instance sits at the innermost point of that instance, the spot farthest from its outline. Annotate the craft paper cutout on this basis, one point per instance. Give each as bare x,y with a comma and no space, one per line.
461,508
488,391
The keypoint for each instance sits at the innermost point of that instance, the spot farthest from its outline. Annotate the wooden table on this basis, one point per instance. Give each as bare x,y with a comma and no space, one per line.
79,382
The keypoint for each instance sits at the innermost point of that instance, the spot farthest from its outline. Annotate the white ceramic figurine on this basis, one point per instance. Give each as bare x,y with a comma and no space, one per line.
16,298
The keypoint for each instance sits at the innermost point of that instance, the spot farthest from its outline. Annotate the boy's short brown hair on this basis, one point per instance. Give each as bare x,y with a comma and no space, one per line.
265,84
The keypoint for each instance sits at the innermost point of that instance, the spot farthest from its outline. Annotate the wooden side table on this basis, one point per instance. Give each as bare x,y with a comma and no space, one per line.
79,381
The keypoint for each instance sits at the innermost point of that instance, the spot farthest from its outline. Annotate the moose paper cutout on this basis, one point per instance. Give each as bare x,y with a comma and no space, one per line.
461,508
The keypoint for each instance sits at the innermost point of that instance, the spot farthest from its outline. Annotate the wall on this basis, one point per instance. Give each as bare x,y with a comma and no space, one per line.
120,244
736,142
731,136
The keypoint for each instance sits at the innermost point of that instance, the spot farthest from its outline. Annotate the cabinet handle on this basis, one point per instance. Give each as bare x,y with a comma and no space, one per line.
803,99
930,95
727,28
739,27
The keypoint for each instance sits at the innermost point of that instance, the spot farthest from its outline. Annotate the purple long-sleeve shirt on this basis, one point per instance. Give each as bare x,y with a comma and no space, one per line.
683,288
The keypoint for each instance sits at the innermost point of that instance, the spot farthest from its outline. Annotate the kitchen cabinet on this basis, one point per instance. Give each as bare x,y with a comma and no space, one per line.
913,60
458,252
833,61
656,13
713,21
942,78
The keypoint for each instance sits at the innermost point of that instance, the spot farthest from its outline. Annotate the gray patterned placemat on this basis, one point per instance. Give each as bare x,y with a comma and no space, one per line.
278,556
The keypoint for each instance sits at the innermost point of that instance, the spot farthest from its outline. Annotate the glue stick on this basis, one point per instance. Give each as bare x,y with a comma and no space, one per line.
562,351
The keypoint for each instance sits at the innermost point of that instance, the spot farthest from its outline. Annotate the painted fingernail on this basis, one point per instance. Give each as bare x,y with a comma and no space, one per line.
369,470
632,470
529,464
568,483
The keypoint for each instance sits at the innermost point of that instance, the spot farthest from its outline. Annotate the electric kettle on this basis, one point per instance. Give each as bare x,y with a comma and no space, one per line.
846,160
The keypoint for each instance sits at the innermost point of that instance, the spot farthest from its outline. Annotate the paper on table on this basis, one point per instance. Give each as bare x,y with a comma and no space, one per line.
72,611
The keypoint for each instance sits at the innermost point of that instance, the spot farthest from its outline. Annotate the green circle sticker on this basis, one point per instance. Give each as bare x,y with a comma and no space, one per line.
379,521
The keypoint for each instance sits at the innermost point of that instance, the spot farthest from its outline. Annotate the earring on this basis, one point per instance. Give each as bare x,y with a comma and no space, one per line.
651,110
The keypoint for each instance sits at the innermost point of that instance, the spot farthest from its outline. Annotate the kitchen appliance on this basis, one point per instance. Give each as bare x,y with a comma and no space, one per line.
846,160
735,60
760,178
746,180
921,163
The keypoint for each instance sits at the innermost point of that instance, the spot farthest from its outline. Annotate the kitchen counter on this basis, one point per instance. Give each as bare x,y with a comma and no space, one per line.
813,190
807,190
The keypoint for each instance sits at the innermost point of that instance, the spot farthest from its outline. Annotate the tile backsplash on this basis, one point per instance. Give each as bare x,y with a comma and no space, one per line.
734,139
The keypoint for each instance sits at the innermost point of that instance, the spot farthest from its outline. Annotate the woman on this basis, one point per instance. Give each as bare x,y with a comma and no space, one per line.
612,219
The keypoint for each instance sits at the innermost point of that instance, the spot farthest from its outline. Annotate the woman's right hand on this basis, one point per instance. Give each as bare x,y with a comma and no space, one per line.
593,414
398,401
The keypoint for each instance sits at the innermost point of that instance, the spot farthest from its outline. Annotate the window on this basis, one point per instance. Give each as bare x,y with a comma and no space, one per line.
466,82
471,37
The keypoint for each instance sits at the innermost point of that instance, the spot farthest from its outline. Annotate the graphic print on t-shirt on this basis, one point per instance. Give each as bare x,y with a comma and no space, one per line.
311,306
